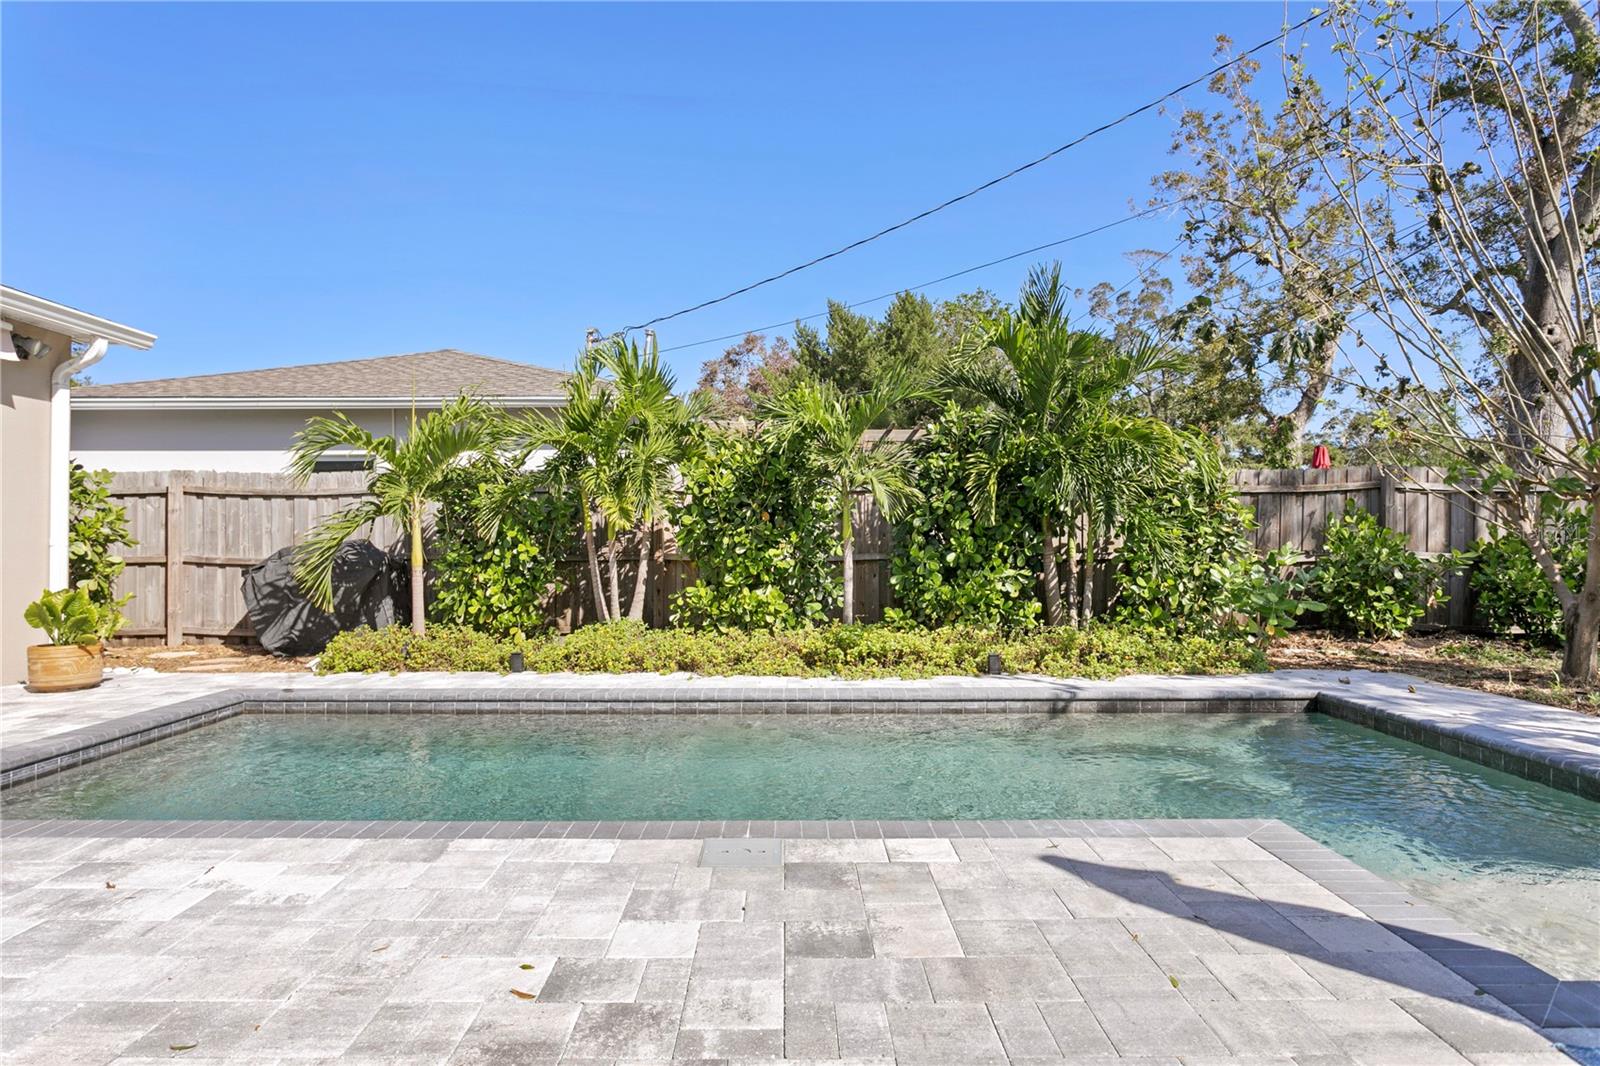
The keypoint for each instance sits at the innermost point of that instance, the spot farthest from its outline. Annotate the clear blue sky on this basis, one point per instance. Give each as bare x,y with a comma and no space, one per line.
271,184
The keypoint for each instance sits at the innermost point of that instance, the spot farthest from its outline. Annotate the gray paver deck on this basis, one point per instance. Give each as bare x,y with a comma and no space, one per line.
353,947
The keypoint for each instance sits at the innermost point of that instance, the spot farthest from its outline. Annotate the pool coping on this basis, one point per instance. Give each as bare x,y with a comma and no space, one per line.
1546,1002
1551,746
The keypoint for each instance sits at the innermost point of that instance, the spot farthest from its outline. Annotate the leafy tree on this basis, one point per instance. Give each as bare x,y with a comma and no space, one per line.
843,353
1469,151
408,475
96,526
735,383
1273,246
831,425
1055,394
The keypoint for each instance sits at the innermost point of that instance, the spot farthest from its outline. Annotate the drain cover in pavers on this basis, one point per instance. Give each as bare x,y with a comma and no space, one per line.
741,851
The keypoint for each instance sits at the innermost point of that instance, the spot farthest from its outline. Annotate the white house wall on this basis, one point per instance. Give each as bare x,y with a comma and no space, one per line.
239,440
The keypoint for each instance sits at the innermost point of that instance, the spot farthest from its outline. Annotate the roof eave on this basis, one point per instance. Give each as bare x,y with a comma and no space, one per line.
18,307
289,403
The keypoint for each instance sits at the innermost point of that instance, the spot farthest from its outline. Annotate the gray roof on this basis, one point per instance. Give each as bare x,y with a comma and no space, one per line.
425,375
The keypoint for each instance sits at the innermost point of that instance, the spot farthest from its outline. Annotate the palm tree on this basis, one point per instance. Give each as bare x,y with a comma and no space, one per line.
406,477
1053,392
834,429
617,443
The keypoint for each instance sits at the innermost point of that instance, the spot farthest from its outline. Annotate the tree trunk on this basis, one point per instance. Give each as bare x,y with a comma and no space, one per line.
1311,395
1580,665
419,621
1086,603
614,604
847,548
593,558
1052,576
645,535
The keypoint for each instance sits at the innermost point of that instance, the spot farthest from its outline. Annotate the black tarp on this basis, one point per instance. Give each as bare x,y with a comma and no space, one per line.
368,590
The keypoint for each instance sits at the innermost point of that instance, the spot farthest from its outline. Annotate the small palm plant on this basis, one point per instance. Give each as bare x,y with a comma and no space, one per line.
1054,392
617,443
833,427
407,475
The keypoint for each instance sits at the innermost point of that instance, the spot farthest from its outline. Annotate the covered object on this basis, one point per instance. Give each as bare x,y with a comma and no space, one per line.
368,590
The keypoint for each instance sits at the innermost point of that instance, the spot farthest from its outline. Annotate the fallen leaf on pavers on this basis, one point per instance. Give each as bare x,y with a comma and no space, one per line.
111,884
1411,688
1344,681
1173,979
384,947
520,994
182,1047
526,966
1134,935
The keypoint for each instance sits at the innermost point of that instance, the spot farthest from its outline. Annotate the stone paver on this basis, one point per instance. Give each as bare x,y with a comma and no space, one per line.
290,949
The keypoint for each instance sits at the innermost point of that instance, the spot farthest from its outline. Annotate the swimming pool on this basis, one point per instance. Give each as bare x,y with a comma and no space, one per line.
1517,860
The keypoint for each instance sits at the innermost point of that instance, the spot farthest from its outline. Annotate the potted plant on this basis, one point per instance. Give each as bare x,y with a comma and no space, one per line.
76,629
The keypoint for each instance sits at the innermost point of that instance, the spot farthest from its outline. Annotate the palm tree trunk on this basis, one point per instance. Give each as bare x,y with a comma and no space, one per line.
645,535
419,621
614,606
593,557
1052,576
847,548
1086,604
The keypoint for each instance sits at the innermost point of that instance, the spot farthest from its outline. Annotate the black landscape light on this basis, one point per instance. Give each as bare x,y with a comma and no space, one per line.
517,664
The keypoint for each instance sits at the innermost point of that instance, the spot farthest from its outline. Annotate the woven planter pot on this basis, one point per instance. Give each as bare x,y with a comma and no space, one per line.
64,667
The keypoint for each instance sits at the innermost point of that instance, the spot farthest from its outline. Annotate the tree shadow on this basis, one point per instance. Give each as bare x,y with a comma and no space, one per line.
1464,969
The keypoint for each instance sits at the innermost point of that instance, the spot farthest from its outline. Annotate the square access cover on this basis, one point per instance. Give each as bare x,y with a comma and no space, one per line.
741,851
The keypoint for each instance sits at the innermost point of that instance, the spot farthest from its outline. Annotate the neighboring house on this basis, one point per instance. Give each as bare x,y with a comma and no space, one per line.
42,345
246,421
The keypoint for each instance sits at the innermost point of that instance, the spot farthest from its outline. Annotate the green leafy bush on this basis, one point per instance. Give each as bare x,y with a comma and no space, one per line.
858,651
756,520
949,566
397,648
500,585
70,616
1195,570
96,525
1372,583
1513,592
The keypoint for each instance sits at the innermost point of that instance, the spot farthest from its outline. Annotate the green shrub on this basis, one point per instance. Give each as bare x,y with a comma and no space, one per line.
755,519
1513,592
395,649
501,585
70,616
1372,583
858,651
96,525
949,567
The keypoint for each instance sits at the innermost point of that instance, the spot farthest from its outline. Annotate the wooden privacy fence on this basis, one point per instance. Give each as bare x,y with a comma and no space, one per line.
197,532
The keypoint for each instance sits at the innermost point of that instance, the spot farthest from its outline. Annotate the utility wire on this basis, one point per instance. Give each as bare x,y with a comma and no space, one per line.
929,284
992,182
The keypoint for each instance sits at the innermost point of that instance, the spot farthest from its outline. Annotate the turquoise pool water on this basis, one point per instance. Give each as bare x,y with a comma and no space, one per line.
1517,860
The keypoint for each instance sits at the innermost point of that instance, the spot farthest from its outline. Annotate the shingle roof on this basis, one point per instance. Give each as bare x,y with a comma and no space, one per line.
425,375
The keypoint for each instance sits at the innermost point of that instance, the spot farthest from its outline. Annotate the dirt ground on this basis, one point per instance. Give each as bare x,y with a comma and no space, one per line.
1503,667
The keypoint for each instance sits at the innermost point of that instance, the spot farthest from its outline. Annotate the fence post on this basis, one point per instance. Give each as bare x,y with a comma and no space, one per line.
174,568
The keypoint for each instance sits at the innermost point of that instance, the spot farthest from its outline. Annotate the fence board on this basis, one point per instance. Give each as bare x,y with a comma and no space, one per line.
187,585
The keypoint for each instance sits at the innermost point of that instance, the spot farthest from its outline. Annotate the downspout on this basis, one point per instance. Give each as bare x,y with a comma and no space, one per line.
60,453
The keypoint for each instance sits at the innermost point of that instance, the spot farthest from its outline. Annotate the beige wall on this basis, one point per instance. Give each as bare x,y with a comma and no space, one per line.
24,496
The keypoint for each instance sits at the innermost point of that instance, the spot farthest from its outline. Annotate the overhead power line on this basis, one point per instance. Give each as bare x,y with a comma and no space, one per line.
929,284
991,183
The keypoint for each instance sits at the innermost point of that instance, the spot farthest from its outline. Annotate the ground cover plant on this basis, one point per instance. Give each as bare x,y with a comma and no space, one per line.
847,651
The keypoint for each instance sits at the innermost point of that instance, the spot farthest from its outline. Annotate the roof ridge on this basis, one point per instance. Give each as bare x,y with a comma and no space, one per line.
324,363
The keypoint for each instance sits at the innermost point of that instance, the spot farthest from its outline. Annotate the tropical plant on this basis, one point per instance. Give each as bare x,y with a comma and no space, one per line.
408,474
833,428
96,526
1512,591
1372,583
1053,394
70,616
754,519
500,584
951,567
617,444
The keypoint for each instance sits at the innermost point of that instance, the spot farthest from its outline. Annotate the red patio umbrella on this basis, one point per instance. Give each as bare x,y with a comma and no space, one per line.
1320,459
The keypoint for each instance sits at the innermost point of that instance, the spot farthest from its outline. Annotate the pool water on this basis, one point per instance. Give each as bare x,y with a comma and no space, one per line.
1516,860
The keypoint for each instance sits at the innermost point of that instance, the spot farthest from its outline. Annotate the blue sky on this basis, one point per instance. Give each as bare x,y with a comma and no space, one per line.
271,184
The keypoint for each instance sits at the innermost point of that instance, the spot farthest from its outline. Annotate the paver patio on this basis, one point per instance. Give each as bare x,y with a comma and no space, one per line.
1173,942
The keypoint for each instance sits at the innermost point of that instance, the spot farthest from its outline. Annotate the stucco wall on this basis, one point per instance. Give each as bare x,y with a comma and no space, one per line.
234,440
24,496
